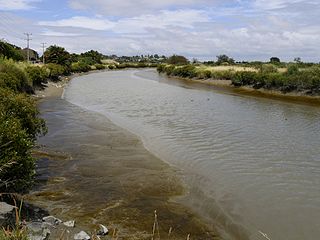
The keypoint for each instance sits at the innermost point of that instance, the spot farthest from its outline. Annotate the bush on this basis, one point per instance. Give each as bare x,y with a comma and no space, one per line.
177,60
292,69
19,127
268,68
15,78
161,67
244,78
100,66
80,67
54,71
37,75
204,74
188,71
169,69
112,66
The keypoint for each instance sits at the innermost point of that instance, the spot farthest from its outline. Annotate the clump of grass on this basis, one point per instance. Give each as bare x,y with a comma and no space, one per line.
18,231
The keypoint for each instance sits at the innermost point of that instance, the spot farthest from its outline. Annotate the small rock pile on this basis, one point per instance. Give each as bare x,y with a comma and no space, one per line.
49,227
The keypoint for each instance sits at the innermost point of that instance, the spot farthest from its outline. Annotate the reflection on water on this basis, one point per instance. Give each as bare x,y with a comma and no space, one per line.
251,164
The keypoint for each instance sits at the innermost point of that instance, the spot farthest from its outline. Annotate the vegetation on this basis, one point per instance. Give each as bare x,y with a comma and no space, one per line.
177,59
19,127
224,60
57,55
267,76
10,51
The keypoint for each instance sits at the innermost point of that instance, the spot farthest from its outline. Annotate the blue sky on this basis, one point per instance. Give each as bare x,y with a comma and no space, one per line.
243,29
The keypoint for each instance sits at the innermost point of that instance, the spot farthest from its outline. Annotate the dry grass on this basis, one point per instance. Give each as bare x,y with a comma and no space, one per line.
228,68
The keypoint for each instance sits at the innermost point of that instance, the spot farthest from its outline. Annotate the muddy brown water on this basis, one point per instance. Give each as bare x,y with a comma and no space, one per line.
95,172
248,166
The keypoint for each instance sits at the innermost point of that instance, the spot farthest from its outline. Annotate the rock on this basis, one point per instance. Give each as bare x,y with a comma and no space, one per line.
35,227
103,230
37,231
52,220
7,214
81,236
46,233
69,223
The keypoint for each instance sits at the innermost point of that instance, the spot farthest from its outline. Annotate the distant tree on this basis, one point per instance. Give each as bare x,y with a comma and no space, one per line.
297,60
178,60
275,60
57,55
221,59
92,55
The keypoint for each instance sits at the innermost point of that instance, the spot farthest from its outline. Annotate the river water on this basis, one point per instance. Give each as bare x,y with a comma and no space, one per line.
251,165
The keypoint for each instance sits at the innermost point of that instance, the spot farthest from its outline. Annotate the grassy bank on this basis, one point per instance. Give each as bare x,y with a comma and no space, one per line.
288,78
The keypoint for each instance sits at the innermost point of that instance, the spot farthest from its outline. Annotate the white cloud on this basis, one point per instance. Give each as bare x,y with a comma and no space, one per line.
137,25
81,22
137,7
51,33
8,5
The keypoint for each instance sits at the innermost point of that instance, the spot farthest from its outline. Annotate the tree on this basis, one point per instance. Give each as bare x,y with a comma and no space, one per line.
275,60
178,60
10,51
297,60
93,56
221,59
57,55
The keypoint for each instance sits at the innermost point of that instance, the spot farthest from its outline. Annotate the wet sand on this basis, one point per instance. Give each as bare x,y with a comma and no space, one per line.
93,171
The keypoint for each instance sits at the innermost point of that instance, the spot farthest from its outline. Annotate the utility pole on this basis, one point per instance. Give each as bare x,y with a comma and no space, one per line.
28,44
43,47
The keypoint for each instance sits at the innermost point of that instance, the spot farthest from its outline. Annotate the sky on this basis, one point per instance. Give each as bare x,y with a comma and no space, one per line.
243,29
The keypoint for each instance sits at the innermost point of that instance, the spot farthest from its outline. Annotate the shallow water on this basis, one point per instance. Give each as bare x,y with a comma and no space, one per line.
252,165
93,171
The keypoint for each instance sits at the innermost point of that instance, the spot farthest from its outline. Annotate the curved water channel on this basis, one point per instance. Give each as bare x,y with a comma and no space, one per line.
251,165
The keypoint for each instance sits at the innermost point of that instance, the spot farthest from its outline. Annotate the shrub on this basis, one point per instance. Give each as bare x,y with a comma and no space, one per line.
9,81
177,60
80,67
100,66
204,74
112,67
17,78
54,71
268,68
19,127
292,69
161,67
188,71
244,78
37,75
169,69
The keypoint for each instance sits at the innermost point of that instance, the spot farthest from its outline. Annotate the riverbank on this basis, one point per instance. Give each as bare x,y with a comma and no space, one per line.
109,177
226,85
293,84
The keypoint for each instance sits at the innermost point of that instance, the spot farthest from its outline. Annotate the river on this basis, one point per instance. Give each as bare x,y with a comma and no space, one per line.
251,165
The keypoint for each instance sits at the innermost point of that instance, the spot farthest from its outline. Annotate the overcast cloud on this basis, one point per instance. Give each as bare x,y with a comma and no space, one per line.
243,29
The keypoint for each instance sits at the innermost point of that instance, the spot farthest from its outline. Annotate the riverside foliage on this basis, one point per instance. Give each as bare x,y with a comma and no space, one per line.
266,76
19,126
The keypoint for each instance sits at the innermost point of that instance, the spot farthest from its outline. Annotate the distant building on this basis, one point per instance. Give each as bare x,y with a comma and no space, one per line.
34,56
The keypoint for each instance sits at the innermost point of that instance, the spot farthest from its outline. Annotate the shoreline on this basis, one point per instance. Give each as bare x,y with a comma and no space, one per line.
55,90
226,85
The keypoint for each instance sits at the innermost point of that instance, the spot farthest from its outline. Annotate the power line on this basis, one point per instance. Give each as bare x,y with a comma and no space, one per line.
28,44
43,47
